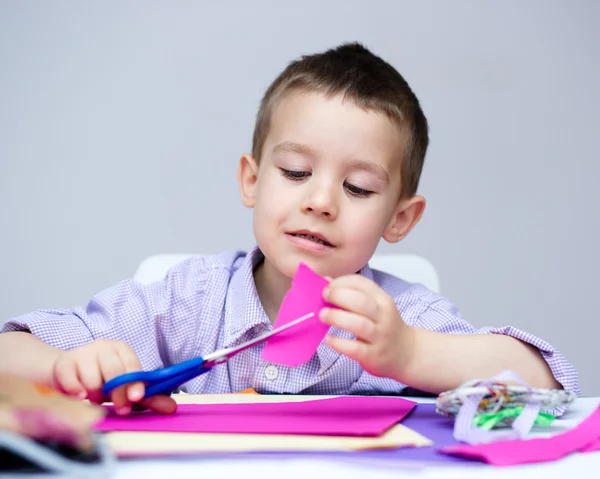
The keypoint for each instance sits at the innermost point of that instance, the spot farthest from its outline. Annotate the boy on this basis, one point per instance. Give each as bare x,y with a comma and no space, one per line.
337,153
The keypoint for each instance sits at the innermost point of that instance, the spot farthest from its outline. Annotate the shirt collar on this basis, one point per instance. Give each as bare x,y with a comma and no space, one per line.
243,309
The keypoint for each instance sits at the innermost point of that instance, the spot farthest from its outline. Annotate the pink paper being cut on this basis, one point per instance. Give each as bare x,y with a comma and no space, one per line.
339,416
298,344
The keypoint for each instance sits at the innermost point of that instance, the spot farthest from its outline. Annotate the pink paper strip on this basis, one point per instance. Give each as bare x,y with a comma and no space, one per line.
341,416
509,453
298,344
594,446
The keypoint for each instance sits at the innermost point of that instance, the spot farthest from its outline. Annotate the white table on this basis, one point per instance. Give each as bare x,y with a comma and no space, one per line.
575,465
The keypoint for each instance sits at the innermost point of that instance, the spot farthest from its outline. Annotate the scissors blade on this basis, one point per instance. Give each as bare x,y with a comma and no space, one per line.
224,354
291,324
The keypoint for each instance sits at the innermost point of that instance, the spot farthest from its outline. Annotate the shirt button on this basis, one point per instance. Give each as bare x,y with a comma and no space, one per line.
271,373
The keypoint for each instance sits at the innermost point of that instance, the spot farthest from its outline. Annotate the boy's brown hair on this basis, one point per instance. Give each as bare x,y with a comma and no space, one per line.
353,71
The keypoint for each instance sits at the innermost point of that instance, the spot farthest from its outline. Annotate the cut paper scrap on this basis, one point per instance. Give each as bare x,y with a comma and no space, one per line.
339,416
494,396
509,453
130,444
593,446
247,391
298,344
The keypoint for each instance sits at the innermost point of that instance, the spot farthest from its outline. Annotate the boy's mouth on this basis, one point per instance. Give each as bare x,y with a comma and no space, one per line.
315,237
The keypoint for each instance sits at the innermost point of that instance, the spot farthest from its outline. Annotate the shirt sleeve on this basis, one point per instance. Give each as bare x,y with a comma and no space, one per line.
430,311
441,315
146,317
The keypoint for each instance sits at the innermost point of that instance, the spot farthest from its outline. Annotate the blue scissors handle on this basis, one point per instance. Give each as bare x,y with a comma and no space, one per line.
166,380
159,381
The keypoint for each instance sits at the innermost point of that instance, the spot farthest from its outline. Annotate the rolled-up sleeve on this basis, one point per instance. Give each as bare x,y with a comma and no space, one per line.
562,370
62,328
146,317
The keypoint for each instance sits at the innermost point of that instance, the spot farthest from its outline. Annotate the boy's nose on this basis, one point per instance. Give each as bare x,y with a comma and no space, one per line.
322,203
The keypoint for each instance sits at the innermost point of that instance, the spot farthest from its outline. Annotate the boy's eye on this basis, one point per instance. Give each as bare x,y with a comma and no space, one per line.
301,175
358,192
294,175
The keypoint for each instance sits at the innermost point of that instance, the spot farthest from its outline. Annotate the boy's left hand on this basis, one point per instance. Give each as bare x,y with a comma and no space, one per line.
384,343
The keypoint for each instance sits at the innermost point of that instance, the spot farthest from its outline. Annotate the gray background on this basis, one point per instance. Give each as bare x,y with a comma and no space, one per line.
121,126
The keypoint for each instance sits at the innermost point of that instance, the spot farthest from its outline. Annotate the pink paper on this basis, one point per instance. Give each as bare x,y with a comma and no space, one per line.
340,416
509,453
298,344
591,447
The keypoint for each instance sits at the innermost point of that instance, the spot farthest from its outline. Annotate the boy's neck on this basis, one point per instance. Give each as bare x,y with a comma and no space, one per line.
271,287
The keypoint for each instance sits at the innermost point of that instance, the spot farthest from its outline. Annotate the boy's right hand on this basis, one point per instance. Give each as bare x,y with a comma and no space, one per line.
82,371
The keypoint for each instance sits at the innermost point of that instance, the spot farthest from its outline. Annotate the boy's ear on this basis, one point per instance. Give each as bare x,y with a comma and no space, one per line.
247,177
407,215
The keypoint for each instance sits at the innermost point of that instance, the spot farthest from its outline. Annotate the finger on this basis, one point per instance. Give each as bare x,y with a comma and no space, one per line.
356,281
111,365
161,404
354,300
135,391
66,379
352,348
360,326
88,372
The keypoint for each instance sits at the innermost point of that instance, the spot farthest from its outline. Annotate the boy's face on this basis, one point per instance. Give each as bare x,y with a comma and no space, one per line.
327,188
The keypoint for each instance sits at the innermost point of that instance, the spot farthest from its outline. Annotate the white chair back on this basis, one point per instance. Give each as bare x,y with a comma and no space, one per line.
409,267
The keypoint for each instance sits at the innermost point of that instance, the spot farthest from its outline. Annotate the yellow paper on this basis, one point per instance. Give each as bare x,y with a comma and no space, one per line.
159,443
128,443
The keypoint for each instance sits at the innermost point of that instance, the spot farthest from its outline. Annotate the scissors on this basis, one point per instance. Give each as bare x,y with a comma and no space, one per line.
166,380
